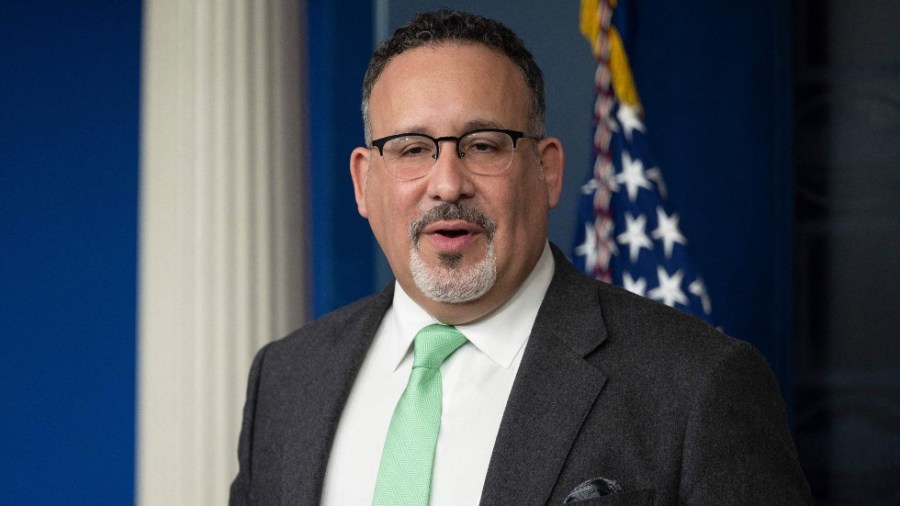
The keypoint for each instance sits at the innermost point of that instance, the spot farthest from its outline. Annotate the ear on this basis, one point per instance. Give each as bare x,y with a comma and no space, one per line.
553,161
359,172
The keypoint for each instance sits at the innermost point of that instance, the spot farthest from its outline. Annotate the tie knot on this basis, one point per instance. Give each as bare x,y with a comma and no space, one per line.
435,343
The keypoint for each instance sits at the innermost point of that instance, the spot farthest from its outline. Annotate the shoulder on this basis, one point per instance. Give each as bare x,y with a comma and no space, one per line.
342,329
356,313
638,331
653,334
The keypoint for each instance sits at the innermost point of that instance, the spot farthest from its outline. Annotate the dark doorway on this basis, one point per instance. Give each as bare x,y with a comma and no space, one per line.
847,248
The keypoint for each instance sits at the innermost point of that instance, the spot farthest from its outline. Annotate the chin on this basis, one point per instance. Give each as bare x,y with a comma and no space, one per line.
453,280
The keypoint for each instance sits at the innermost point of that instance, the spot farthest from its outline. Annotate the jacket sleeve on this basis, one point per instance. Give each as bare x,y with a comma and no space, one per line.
241,487
737,449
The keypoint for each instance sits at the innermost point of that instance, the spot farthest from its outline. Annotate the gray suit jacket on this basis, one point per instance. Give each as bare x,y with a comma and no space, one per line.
610,386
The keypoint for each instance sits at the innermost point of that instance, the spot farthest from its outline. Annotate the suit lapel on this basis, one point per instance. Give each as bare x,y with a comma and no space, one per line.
553,393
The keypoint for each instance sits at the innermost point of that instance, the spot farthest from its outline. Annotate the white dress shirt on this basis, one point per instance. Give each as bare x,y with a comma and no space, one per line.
477,380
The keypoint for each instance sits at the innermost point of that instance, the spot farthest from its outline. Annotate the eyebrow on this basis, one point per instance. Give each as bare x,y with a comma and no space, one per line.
475,125
467,127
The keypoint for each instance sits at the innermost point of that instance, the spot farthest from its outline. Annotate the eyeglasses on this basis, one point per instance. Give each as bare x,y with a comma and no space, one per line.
488,151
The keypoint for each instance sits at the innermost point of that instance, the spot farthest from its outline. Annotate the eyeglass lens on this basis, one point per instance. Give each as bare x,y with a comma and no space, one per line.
486,153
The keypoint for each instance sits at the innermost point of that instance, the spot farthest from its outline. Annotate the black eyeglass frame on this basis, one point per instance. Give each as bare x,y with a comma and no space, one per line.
515,135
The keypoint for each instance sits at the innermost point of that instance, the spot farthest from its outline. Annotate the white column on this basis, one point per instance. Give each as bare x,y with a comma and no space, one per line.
222,228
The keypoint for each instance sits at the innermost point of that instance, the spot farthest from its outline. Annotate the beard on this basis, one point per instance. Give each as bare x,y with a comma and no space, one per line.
451,281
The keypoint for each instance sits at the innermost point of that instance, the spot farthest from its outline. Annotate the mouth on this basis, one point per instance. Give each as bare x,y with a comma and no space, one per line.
451,235
451,228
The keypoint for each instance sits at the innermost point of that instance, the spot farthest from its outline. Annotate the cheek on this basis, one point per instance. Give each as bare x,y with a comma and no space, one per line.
525,203
396,208
509,210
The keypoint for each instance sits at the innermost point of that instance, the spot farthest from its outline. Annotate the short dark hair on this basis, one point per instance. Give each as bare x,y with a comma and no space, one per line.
447,25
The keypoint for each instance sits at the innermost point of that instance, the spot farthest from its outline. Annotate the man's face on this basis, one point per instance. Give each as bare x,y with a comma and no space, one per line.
459,243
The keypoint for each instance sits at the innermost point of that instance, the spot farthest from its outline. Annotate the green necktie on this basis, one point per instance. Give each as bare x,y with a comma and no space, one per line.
404,477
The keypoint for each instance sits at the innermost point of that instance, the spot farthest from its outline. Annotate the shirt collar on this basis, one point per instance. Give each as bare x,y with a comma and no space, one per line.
500,336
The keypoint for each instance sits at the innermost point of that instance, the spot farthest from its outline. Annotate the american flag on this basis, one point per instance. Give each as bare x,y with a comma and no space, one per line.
628,233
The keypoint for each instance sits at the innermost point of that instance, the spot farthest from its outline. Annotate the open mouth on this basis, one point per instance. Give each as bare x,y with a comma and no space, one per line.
452,233
451,225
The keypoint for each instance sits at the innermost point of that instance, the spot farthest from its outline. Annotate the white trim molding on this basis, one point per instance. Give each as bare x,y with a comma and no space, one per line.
222,227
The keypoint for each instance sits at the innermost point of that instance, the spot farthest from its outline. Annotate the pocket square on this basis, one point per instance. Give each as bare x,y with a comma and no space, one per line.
592,489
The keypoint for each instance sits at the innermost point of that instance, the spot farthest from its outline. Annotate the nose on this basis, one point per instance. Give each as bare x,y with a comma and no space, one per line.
448,179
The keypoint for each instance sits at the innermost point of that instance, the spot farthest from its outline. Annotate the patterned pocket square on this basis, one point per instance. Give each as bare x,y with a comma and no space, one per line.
592,489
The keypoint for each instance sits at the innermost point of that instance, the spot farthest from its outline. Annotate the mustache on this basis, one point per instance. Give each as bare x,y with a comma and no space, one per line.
449,211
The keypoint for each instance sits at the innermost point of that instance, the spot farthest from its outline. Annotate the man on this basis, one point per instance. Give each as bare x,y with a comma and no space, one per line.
557,388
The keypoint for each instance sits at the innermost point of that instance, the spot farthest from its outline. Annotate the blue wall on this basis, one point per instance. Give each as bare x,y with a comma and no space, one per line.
340,44
69,102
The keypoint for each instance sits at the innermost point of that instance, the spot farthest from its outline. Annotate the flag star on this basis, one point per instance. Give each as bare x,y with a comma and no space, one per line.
669,290
634,235
638,286
589,187
588,249
632,176
629,119
698,288
668,231
655,175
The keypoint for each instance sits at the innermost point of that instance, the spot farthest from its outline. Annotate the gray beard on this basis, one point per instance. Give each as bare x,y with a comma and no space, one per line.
451,283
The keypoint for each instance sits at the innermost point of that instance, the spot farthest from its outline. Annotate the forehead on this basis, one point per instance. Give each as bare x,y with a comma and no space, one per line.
447,85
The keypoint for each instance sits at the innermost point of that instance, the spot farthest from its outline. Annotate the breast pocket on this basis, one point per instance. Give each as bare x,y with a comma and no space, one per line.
629,498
